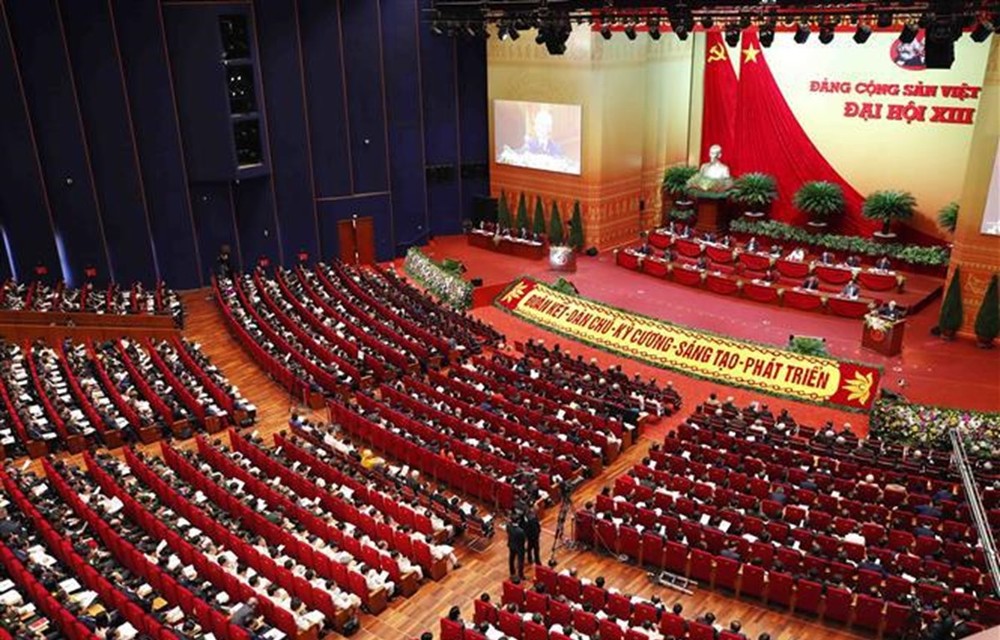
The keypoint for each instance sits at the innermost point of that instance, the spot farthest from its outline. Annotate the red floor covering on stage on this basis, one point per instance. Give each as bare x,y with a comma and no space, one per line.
932,371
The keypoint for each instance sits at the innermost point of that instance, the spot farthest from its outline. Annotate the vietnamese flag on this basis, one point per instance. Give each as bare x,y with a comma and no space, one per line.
719,106
769,138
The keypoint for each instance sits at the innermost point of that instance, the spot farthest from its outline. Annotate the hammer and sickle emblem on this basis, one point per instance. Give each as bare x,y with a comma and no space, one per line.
717,52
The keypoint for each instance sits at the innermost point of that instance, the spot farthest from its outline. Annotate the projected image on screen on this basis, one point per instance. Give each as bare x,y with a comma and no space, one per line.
537,135
991,216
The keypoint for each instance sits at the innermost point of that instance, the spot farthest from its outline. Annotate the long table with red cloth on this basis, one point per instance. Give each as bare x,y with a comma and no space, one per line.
727,284
508,246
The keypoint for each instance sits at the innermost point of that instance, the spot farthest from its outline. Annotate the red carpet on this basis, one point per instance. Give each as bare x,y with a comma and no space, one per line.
929,370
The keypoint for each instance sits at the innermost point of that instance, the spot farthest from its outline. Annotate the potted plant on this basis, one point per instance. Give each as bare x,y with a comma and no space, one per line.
988,318
821,201
522,214
503,213
539,223
951,309
887,207
675,181
576,228
555,227
947,217
755,191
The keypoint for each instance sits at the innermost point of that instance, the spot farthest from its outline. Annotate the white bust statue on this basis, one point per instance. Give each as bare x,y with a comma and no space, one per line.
713,175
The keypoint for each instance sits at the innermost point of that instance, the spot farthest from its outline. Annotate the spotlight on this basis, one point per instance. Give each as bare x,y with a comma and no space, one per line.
513,34
802,33
681,31
436,29
630,30
707,22
982,31
733,35
826,34
863,33
745,22
908,33
654,28
884,20
606,31
766,35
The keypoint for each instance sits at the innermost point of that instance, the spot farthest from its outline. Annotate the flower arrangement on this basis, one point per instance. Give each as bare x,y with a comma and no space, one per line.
875,322
927,426
444,283
914,255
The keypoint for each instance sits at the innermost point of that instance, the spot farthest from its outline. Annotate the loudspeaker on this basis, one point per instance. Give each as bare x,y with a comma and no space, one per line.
484,209
477,282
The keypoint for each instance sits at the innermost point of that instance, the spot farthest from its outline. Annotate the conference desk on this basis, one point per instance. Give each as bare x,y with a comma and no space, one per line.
510,246
755,289
56,325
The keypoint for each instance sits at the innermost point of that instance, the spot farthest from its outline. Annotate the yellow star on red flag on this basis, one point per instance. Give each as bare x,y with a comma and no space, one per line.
750,53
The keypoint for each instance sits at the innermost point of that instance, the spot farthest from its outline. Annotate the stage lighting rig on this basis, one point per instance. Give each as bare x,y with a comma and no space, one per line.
767,34
733,35
982,31
630,30
802,33
653,24
908,33
862,33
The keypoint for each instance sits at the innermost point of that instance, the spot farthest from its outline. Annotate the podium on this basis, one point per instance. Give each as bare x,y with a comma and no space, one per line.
712,210
883,335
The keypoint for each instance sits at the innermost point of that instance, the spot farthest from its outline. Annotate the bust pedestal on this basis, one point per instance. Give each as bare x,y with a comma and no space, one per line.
713,212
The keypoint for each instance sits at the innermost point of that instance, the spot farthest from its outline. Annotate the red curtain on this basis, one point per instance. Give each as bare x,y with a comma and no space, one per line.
719,106
768,138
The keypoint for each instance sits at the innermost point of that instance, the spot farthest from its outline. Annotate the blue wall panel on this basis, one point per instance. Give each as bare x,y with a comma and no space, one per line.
23,212
323,71
473,117
366,116
253,207
41,54
401,68
213,205
97,74
147,77
281,71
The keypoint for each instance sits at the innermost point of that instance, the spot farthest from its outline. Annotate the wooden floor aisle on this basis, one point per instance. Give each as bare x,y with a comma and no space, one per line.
485,571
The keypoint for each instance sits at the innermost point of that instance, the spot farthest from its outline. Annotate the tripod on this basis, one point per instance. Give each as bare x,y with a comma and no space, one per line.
559,539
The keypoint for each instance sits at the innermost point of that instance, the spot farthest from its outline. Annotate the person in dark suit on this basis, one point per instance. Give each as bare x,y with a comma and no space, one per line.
853,261
890,311
811,283
826,258
533,535
883,264
751,245
851,291
516,541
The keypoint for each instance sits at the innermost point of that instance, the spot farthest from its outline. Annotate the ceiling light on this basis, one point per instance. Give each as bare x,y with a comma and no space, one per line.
802,33
766,35
606,31
908,34
982,31
733,35
630,30
862,34
826,34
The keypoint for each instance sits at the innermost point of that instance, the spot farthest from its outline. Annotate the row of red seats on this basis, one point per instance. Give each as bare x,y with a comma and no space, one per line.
339,574
457,476
392,330
294,585
417,551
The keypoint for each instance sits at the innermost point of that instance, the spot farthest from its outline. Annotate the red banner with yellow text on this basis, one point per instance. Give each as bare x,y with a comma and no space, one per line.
734,362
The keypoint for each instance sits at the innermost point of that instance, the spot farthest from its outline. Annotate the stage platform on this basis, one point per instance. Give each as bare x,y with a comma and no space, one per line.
926,362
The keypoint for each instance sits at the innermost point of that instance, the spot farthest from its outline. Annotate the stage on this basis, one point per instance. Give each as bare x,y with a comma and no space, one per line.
918,372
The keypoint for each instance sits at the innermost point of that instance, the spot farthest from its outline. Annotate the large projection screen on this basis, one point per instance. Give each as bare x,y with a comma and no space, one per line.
537,135
991,217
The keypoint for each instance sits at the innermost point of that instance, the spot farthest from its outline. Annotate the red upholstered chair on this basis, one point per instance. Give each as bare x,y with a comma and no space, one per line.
546,576
633,634
535,602
611,631
512,593
560,612
584,527
629,542
510,624
595,596
896,616
652,550
584,622
753,581
673,625
780,588
486,612
644,612
727,571
990,611
839,605
570,587
619,606
808,596
701,566
451,630
535,631
698,631
607,536
868,612
675,558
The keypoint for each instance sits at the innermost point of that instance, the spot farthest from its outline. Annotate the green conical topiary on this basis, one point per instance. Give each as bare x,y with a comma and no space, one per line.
988,318
503,212
539,225
951,309
948,217
522,214
555,226
576,228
